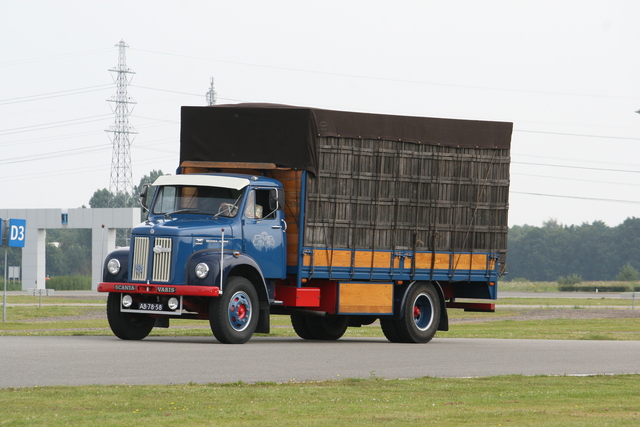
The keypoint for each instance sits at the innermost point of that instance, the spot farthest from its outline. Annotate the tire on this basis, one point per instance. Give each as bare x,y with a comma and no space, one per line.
127,326
234,316
389,330
329,328
301,326
420,316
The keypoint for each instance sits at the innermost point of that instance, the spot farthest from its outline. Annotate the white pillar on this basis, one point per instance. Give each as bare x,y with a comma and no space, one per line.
103,241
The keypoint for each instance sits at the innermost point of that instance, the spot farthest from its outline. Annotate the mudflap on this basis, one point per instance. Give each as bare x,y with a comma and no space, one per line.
444,316
264,319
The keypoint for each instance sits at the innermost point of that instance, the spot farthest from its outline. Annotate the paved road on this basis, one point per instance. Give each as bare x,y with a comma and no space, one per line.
576,295
42,361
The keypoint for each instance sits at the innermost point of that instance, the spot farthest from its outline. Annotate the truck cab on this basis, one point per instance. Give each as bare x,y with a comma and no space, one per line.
202,230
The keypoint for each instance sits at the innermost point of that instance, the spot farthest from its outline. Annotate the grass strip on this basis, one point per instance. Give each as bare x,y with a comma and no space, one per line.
571,302
493,401
558,329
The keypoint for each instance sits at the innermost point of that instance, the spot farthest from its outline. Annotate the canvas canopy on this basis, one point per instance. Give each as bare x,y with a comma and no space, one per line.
288,136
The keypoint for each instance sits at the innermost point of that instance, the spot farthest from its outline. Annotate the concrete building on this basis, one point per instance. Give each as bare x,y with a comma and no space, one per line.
102,222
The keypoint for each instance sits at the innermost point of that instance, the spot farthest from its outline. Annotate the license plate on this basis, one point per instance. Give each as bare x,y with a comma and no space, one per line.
150,306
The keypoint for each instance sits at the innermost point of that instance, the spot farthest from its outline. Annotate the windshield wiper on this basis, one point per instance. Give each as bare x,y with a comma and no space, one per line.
168,214
228,209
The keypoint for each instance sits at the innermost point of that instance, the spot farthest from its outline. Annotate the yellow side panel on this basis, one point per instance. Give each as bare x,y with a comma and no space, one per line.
425,260
342,258
469,262
365,298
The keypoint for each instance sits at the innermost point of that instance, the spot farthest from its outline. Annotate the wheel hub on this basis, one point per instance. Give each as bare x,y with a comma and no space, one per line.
239,311
423,311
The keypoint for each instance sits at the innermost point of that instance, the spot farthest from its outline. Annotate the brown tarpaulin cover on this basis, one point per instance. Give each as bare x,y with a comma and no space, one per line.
287,135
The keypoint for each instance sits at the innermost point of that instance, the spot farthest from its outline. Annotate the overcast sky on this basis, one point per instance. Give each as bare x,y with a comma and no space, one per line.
566,73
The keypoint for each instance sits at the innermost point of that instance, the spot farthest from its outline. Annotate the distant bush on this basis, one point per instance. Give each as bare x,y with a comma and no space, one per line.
572,279
13,286
596,288
628,274
69,283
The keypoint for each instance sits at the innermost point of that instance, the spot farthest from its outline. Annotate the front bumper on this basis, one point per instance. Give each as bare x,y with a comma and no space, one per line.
143,288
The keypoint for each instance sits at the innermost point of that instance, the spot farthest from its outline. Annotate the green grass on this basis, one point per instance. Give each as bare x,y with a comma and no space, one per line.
57,299
494,401
508,400
570,302
527,286
553,329
20,322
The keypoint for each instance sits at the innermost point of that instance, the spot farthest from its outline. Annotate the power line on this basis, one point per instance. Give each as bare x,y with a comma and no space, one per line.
574,167
58,94
574,159
52,154
54,57
577,134
576,179
185,93
51,125
389,79
576,197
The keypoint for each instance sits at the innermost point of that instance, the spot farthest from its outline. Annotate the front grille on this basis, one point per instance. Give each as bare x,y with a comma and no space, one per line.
140,258
161,259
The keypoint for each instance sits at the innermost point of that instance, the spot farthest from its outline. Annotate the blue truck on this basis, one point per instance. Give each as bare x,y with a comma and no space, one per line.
337,219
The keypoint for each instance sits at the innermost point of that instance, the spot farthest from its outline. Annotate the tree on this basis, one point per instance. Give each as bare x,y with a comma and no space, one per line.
593,251
100,199
146,179
628,274
68,252
105,198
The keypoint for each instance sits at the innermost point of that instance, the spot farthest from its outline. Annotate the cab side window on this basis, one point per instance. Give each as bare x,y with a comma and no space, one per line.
257,206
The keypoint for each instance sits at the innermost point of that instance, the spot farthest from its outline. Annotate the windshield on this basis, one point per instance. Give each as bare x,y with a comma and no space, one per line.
217,201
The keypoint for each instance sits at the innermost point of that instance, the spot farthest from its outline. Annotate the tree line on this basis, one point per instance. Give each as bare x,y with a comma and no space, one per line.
593,252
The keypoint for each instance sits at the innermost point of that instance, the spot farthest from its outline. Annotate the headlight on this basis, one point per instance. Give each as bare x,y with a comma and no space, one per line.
113,266
127,301
173,303
202,270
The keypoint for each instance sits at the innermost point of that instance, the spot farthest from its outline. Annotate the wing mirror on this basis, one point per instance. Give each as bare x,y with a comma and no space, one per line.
143,197
276,199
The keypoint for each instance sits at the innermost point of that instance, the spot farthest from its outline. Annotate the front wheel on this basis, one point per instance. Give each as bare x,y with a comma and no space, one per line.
127,326
421,316
234,315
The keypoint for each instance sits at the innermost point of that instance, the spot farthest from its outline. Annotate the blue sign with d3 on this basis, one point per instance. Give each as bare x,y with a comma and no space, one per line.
17,232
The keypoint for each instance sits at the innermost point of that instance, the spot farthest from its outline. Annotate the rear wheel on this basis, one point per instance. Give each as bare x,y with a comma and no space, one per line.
301,326
389,330
127,326
328,328
234,316
421,316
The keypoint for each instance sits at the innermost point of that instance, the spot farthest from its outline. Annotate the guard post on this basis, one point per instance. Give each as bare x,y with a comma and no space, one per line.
632,296
12,235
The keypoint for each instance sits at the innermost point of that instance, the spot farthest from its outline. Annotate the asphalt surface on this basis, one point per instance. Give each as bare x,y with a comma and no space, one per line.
40,361
44,361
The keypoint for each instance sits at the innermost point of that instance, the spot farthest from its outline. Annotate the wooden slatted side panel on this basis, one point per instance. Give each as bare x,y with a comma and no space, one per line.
373,194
